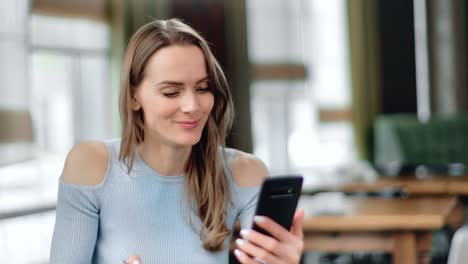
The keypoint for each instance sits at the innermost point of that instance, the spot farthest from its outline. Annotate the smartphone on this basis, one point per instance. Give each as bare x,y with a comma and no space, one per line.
278,200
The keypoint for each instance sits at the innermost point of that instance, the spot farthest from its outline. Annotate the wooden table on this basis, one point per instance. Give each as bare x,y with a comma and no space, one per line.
400,226
427,185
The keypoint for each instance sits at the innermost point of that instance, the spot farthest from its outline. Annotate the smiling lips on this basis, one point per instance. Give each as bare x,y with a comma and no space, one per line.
189,124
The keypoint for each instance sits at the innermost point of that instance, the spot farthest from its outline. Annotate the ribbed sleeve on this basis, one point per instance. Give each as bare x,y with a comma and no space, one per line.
76,225
248,198
245,198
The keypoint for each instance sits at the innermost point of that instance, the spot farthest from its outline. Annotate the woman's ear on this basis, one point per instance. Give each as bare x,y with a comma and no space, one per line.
134,104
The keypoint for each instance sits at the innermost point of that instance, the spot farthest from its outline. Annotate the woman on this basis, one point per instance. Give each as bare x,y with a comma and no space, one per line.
168,191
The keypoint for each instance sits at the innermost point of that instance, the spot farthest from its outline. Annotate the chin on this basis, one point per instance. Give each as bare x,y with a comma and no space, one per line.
188,141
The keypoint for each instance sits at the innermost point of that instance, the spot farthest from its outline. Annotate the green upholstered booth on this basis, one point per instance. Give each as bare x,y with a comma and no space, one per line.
401,140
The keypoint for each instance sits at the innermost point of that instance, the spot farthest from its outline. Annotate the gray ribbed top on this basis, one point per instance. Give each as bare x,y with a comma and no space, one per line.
138,213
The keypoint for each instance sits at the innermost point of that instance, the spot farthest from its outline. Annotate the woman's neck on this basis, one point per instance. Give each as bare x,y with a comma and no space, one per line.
166,160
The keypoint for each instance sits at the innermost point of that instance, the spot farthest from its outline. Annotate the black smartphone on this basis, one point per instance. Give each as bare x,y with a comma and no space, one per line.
278,200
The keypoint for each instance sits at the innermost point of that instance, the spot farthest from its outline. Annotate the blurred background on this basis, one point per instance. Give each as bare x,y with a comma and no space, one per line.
335,90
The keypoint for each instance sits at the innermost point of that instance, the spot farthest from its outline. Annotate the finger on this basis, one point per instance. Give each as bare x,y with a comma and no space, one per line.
134,259
266,242
291,250
275,229
243,257
296,228
256,251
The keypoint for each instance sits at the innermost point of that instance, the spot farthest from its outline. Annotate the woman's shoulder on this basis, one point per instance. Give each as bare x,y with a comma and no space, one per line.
247,170
86,164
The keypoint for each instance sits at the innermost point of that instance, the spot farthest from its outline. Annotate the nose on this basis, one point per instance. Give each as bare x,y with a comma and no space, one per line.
190,102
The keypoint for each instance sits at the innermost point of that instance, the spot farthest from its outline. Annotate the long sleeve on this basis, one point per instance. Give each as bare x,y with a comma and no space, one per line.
76,225
249,199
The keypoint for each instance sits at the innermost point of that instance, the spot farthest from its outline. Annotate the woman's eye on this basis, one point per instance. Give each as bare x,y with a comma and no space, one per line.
171,95
204,90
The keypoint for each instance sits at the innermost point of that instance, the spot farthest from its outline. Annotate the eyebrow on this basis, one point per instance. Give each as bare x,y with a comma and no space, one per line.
167,82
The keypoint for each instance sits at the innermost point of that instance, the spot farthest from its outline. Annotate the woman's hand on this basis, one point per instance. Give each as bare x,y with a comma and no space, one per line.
284,247
134,259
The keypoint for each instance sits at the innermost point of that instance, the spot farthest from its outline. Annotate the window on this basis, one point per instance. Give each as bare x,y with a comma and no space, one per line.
70,84
14,112
302,122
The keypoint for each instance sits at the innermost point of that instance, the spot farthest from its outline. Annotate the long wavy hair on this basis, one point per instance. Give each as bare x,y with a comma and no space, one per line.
206,185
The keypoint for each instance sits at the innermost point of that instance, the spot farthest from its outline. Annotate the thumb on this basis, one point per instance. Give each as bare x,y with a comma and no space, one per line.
134,259
296,228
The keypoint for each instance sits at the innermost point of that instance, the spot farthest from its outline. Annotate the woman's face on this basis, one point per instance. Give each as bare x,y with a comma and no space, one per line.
175,95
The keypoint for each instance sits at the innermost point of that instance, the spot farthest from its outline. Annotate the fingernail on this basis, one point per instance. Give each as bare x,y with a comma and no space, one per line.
244,233
259,219
237,252
136,261
239,242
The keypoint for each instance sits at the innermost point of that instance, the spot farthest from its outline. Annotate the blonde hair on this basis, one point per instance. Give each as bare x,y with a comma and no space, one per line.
206,186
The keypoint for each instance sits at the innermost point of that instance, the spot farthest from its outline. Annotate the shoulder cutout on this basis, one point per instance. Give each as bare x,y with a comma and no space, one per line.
247,170
86,164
